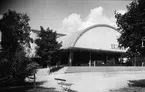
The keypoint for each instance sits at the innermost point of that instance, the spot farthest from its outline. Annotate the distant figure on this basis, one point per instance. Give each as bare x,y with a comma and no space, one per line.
142,63
94,63
49,69
89,62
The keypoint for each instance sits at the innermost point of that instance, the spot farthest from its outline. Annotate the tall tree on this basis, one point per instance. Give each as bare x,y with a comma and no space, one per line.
132,27
15,31
47,46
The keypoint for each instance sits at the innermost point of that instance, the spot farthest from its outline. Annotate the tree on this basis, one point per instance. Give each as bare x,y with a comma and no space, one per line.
48,47
132,28
15,31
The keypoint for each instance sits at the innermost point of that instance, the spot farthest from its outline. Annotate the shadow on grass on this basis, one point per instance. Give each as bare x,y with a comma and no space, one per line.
129,89
55,69
43,89
29,87
134,86
136,83
24,87
72,90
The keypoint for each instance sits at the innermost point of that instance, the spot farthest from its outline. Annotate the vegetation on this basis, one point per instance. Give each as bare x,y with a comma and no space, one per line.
132,28
14,63
48,47
134,86
129,89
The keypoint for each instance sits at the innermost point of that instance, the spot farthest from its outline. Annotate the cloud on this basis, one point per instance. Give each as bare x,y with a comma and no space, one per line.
99,38
121,11
74,22
71,23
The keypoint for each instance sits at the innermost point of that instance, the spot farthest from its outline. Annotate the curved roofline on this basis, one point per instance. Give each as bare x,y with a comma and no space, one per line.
91,27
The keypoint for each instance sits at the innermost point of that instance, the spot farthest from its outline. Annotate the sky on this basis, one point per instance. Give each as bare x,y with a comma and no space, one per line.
70,16
64,16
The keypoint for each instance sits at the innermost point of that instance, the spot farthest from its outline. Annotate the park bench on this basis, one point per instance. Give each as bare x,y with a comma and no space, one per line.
63,84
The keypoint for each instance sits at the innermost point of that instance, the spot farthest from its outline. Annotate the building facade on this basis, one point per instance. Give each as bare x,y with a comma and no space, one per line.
79,49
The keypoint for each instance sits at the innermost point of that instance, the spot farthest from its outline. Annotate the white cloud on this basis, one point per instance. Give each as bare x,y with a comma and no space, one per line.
121,11
74,22
71,23
100,38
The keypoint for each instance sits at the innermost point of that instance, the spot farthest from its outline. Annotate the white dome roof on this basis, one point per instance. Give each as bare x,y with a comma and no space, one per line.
102,38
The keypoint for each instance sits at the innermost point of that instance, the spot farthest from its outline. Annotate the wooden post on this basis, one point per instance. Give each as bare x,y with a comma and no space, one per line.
34,81
90,61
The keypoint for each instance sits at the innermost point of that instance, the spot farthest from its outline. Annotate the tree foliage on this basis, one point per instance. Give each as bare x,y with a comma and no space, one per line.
48,47
132,27
15,31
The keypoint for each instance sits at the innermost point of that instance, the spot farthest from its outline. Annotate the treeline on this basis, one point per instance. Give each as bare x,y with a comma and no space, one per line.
16,61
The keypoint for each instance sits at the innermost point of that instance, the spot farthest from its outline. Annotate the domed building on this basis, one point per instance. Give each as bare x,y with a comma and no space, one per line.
92,46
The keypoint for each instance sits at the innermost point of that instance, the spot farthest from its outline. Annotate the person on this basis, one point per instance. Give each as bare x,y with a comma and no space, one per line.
89,63
94,63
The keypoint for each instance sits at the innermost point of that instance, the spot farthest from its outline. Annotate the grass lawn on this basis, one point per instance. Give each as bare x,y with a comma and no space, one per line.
30,89
130,89
27,87
42,89
134,86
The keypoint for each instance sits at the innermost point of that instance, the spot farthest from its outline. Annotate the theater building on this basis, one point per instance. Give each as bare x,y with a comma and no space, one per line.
93,46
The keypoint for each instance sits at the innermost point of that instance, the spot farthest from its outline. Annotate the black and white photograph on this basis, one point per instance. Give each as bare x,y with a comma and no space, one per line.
72,46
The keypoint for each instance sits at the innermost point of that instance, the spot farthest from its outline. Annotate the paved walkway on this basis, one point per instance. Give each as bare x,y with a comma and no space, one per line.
92,81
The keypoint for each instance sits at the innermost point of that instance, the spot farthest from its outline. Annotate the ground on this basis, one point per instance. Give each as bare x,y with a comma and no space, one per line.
91,81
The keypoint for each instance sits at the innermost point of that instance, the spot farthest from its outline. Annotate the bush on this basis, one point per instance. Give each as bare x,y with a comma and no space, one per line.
55,69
